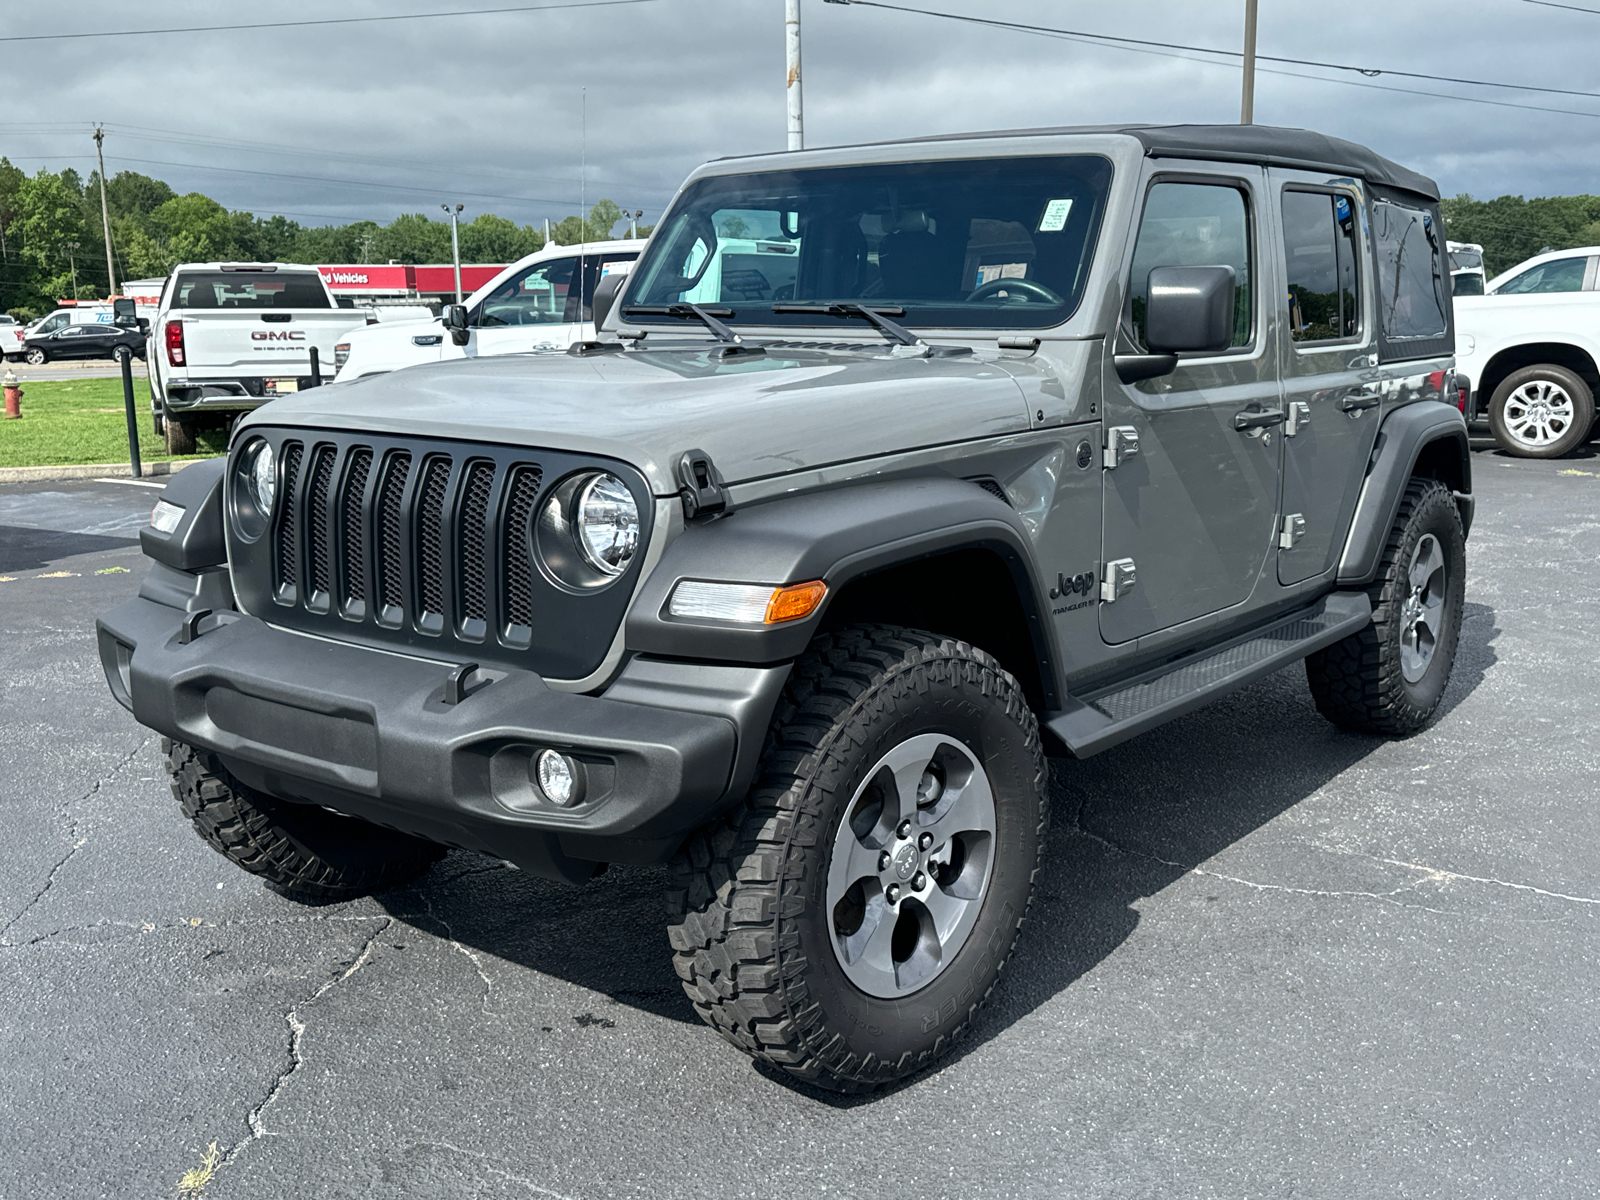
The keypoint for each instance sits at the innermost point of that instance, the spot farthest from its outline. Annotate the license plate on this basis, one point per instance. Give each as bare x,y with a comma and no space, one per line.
277,387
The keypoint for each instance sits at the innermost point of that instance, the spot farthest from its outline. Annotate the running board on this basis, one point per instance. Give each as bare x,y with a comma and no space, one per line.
1099,720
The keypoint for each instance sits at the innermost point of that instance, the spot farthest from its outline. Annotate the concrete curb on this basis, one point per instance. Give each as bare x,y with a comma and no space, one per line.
90,471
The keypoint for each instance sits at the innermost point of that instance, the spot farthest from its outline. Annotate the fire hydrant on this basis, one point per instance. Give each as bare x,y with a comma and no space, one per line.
13,396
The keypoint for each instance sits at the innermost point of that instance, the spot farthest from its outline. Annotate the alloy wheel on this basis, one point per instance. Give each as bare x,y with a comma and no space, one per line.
1422,611
1538,413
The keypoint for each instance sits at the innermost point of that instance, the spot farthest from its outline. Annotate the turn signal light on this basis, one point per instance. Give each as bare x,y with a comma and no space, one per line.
795,602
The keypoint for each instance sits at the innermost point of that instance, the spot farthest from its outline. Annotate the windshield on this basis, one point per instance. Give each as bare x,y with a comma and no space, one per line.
248,289
987,242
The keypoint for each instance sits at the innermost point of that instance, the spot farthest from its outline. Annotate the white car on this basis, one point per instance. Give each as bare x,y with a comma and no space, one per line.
1529,348
531,305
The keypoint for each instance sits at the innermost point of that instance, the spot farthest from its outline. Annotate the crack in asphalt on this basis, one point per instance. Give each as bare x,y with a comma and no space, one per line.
477,963
488,1165
72,836
297,1030
147,927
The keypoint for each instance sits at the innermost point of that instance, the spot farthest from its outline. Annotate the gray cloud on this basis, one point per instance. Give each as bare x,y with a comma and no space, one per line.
487,109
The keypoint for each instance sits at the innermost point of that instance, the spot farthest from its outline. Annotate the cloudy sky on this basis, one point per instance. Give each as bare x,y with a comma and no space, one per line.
334,123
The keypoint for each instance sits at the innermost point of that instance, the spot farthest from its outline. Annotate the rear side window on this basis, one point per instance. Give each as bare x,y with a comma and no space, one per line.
1412,295
248,290
1562,275
1319,243
1195,225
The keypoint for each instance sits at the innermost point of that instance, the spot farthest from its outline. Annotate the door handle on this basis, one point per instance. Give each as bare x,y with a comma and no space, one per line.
1360,401
1259,418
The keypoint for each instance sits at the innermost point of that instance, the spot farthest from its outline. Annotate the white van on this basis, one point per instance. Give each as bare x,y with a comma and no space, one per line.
531,305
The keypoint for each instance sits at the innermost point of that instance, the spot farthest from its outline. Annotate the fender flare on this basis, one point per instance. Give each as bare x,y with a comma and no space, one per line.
1405,434
835,536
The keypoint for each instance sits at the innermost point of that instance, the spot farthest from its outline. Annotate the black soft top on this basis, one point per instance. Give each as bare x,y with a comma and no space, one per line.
1266,144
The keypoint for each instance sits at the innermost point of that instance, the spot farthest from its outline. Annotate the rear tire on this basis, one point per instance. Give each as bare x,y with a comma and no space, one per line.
121,354
840,924
180,436
308,853
1390,678
1543,411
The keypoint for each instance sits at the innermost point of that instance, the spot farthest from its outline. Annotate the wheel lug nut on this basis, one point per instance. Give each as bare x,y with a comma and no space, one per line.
925,841
883,861
920,882
905,829
893,894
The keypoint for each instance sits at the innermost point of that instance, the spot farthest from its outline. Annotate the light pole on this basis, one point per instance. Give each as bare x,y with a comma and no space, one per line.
633,223
791,45
73,262
1247,100
455,244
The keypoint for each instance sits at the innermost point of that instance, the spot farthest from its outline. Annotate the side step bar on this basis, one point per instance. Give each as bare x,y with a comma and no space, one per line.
1099,720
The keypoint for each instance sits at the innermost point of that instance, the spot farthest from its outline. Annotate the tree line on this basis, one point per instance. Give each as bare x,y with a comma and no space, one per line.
153,229
1511,229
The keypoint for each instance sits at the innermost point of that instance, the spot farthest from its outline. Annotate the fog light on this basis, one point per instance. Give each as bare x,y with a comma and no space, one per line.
558,778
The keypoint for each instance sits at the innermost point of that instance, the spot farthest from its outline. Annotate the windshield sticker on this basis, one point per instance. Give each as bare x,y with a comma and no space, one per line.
1055,216
987,274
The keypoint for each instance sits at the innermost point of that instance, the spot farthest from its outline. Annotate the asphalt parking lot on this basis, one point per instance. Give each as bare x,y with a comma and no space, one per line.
1267,959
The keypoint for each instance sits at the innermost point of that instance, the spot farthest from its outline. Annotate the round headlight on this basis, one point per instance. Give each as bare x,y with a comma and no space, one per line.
262,477
607,522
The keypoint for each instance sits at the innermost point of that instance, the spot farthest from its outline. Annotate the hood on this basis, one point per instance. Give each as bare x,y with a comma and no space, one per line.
787,410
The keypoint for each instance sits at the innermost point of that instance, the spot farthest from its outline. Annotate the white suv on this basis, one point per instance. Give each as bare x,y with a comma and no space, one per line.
531,305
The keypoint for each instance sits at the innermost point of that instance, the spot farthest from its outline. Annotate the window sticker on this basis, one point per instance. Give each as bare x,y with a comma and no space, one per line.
993,271
1055,216
1341,208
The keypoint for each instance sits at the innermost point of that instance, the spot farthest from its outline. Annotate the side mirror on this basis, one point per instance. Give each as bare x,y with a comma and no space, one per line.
455,320
605,296
124,313
1190,309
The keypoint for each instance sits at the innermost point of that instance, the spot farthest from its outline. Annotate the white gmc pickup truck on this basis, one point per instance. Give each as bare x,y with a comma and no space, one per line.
230,336
1530,348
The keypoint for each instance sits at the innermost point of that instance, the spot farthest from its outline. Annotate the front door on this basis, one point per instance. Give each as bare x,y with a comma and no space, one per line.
1329,368
1195,507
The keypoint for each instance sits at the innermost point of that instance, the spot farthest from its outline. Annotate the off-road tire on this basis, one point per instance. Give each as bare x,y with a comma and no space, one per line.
746,895
308,853
1583,411
1357,683
180,435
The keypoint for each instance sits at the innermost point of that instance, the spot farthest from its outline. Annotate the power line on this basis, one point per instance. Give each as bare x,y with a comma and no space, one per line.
1568,7
469,12
1080,34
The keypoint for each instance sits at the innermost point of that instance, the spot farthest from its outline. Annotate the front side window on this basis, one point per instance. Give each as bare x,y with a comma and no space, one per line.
1319,245
981,242
248,290
1194,225
1412,295
546,294
1561,275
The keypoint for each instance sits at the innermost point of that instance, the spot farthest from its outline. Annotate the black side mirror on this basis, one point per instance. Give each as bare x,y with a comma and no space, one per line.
1190,309
605,297
455,320
124,313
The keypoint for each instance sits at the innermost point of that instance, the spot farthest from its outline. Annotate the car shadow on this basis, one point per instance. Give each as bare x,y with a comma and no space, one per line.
1125,824
23,548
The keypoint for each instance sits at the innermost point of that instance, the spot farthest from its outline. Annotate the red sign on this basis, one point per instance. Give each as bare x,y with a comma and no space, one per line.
441,279
368,280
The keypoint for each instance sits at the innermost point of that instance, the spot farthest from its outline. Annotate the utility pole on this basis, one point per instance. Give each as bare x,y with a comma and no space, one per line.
1247,102
105,212
455,244
791,45
73,263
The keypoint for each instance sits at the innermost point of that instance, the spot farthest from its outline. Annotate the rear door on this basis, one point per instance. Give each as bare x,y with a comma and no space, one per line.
1331,383
1194,509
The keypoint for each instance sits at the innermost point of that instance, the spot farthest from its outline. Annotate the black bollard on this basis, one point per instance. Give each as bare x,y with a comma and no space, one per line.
316,370
133,418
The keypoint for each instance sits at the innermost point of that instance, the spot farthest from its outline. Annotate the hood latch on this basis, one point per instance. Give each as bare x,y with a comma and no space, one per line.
704,493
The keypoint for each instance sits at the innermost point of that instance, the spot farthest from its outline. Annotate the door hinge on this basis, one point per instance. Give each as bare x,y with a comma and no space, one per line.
701,486
1299,418
1117,579
1122,443
1294,528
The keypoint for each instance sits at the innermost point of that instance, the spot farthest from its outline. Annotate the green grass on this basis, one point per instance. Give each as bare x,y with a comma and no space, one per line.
81,421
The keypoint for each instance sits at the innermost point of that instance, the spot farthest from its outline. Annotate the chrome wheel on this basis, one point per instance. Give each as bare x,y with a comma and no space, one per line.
1422,612
911,865
35,358
1538,413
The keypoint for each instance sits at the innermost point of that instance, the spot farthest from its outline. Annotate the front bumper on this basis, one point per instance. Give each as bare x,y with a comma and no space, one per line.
368,733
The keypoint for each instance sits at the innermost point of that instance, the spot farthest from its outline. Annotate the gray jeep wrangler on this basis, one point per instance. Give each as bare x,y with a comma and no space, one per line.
896,469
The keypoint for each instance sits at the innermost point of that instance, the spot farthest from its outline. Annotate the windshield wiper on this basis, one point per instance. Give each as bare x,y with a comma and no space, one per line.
877,316
706,316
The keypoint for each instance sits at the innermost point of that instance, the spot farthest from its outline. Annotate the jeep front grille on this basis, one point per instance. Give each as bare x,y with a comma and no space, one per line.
426,547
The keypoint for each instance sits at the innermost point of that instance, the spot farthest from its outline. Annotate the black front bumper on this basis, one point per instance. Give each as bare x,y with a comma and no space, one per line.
369,733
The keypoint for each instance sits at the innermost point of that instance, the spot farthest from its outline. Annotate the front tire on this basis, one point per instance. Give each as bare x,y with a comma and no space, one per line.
1390,678
846,922
1543,411
308,853
36,357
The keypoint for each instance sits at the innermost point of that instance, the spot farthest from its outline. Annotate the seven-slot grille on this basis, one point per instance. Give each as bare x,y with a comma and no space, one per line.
426,540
